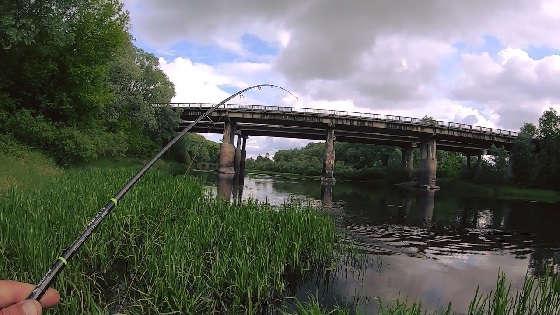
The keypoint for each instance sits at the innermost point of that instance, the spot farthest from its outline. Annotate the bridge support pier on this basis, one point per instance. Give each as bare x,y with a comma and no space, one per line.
328,159
243,154
468,161
407,160
428,164
227,151
237,158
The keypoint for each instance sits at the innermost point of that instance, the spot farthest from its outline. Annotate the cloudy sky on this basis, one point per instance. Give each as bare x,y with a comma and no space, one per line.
488,63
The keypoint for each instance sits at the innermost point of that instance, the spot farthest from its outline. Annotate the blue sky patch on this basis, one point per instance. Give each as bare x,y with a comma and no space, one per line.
539,52
230,89
490,44
257,46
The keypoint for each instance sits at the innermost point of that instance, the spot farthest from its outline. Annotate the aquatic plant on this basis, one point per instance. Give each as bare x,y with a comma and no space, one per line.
537,295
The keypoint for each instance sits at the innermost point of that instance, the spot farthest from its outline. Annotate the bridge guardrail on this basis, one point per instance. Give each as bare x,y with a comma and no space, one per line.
339,113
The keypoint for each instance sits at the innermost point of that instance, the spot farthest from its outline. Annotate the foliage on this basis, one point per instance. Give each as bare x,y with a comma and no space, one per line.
193,148
74,85
449,164
356,161
536,154
165,248
493,170
522,155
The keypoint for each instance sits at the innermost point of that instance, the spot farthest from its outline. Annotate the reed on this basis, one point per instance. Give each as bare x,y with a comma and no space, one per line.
537,295
168,247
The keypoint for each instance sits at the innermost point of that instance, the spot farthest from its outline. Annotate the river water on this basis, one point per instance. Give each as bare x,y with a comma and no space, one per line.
433,247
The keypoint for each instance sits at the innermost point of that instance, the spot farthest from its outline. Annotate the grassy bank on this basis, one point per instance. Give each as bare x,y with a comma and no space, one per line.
23,168
165,248
503,192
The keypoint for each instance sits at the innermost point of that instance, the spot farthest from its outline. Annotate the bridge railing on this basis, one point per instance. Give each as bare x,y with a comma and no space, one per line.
339,113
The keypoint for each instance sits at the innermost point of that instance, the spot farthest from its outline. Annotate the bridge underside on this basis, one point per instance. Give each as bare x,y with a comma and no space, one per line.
351,136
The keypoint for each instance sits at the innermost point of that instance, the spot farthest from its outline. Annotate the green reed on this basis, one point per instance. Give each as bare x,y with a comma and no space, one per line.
537,295
167,247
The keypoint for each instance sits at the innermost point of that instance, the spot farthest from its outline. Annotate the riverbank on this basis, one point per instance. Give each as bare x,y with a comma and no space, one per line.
166,247
461,187
501,192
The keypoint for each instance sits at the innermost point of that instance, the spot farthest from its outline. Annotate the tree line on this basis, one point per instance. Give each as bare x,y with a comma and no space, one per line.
74,85
533,161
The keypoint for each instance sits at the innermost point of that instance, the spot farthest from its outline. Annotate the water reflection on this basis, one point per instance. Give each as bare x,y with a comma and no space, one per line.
230,186
225,185
327,195
433,246
425,201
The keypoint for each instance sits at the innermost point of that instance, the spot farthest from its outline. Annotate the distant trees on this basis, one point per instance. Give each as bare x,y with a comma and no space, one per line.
73,84
536,154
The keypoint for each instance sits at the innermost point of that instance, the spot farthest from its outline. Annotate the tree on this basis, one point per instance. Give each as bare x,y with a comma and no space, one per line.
522,156
548,155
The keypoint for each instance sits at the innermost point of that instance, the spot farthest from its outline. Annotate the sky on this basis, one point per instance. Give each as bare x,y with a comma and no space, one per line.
486,63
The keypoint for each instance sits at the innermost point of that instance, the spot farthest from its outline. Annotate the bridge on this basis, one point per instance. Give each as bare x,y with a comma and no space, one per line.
408,133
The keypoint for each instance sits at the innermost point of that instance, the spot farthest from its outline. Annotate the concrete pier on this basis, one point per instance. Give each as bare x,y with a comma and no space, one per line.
227,151
237,158
407,160
329,158
469,161
243,154
428,164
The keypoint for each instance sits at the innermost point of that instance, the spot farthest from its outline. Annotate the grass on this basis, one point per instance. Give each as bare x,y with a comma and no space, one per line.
517,193
313,307
23,168
166,248
503,192
537,295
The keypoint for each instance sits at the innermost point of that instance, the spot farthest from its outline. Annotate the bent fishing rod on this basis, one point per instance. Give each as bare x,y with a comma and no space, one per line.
62,261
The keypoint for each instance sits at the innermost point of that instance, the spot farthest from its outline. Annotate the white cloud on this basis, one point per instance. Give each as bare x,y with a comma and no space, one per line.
515,86
194,82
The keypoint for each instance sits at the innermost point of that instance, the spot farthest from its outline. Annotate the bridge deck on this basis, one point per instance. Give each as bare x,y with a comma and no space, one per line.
275,121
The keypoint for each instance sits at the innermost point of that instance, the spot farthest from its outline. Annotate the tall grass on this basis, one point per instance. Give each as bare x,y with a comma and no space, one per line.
537,295
165,248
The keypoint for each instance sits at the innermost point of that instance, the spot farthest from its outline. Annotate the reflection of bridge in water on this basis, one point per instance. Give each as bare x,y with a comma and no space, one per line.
405,132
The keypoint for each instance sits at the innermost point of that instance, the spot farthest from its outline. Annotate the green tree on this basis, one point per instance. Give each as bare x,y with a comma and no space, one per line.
522,155
548,155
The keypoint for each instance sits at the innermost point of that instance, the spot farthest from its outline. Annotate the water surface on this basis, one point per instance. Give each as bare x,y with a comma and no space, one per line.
436,247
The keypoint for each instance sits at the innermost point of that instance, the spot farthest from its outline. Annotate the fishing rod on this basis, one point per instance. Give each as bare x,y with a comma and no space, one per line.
62,261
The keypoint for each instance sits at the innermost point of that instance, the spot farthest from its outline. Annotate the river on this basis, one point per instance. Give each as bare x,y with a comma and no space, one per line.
433,247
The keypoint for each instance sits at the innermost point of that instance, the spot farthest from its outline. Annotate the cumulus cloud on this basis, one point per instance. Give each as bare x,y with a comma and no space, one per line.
194,82
517,87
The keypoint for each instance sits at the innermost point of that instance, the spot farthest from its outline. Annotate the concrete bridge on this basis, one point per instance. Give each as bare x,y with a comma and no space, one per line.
408,133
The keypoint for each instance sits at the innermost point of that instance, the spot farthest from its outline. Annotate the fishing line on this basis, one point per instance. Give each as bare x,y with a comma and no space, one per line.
67,254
